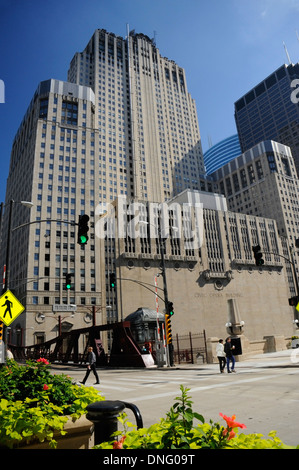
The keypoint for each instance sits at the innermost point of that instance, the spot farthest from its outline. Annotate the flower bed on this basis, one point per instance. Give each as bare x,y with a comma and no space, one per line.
35,405
178,431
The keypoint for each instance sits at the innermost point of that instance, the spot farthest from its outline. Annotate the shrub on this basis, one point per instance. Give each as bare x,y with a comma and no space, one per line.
34,403
178,431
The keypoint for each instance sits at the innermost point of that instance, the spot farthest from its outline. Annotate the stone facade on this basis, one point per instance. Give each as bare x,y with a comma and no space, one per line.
202,279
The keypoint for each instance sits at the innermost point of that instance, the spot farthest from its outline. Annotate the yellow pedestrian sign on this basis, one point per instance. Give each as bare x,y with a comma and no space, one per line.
10,307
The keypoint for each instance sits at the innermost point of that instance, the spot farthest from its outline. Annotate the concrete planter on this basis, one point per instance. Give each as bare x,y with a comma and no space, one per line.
79,436
295,343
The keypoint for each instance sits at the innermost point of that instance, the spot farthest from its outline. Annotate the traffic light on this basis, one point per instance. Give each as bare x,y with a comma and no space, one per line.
83,229
170,310
293,301
1,331
258,256
168,329
68,281
112,281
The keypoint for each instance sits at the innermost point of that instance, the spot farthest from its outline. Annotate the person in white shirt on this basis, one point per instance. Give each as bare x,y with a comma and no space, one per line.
221,355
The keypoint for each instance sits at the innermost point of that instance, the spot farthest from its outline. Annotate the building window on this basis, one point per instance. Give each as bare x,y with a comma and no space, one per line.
69,114
286,167
43,108
251,174
243,178
272,164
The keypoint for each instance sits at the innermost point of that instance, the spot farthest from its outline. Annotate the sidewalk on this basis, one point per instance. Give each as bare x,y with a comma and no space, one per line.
285,358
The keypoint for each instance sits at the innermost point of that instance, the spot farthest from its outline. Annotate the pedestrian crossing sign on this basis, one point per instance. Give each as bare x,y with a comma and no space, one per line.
10,307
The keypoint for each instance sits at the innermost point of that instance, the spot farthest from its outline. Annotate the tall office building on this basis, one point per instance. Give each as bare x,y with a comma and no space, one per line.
54,166
221,153
270,111
124,124
263,182
149,142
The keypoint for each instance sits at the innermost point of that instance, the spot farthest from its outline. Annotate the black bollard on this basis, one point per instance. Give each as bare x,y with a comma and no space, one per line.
104,414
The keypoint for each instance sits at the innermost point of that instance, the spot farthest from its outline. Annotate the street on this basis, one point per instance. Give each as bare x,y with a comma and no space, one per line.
263,393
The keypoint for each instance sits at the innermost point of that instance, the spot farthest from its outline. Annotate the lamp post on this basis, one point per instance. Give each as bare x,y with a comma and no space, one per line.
6,275
28,204
58,319
93,311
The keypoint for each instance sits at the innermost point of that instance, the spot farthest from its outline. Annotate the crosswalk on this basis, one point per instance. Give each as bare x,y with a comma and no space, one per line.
140,382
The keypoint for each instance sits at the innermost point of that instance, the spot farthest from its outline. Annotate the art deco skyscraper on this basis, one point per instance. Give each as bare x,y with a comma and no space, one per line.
149,142
52,165
123,124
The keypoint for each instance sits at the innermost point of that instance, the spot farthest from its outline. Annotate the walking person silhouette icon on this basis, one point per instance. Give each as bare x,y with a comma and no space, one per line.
9,306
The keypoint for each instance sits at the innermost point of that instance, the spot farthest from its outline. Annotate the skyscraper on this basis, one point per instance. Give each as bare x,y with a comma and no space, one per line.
124,124
53,166
221,153
149,142
270,111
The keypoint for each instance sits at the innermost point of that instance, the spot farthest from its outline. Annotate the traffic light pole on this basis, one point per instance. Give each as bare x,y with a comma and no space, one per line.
292,262
169,347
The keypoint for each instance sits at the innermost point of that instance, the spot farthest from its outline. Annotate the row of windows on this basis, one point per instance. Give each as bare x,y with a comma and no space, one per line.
47,301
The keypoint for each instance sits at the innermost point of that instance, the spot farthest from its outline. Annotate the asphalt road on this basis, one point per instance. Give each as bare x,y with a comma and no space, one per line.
263,393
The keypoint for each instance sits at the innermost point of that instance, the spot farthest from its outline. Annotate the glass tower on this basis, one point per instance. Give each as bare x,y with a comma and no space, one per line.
270,112
221,153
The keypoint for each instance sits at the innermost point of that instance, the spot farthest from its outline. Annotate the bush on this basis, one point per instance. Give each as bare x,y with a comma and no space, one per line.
178,431
34,403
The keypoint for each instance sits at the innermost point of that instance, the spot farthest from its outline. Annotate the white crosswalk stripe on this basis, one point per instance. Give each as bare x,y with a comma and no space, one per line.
128,384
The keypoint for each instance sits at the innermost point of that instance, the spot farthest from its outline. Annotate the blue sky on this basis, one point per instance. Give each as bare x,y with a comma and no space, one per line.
225,46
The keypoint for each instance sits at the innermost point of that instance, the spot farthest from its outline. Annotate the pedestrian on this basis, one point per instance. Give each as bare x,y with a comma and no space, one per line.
228,349
221,355
9,355
91,366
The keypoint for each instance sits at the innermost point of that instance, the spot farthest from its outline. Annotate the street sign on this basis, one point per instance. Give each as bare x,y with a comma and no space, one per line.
10,307
297,307
64,308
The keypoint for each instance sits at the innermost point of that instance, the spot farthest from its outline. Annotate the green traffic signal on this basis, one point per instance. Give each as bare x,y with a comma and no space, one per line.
83,229
112,280
68,281
258,256
83,239
170,310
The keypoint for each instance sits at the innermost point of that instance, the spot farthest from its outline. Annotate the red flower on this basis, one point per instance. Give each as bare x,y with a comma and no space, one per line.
231,423
46,387
119,444
43,360
231,434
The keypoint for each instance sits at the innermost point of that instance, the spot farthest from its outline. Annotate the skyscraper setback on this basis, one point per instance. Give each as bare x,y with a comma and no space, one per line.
149,142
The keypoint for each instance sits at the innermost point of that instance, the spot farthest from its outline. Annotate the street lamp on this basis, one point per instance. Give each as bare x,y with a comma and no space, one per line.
59,319
28,204
6,278
93,311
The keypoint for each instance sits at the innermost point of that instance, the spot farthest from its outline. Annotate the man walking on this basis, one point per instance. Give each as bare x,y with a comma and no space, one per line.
91,366
228,348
